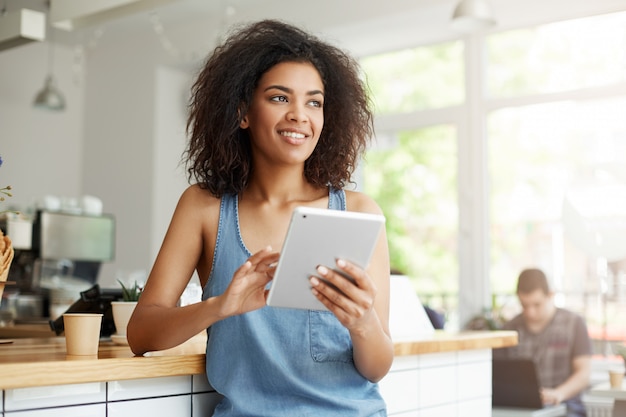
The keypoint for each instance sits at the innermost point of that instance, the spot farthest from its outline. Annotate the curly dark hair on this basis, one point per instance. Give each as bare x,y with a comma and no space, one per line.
218,156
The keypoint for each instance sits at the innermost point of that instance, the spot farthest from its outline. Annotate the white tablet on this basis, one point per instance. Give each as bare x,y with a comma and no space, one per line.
318,237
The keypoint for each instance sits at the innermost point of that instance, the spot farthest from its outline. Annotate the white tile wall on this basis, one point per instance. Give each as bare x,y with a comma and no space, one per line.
400,391
437,386
153,407
169,396
451,384
54,396
149,387
477,407
473,380
413,413
445,410
93,410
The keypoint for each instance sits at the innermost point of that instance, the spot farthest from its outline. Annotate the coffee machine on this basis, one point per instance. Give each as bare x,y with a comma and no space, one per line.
57,256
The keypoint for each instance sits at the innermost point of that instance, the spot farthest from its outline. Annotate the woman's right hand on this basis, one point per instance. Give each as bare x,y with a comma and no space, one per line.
246,291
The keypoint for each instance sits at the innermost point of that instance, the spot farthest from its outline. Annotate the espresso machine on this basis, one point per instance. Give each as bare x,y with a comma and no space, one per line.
57,256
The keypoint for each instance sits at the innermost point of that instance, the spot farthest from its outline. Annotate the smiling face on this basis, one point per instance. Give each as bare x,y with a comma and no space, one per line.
286,115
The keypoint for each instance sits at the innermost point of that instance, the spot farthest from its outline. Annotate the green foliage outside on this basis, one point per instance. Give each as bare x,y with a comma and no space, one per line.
415,184
416,79
414,181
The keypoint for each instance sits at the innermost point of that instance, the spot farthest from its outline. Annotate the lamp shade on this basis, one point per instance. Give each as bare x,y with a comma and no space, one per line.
49,97
472,15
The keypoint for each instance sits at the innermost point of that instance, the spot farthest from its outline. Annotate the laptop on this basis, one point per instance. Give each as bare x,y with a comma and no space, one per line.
515,384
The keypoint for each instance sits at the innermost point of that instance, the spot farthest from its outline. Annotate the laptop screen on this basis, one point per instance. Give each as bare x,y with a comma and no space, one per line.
515,384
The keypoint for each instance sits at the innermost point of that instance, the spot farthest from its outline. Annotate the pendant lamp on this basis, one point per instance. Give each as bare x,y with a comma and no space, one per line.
473,15
49,97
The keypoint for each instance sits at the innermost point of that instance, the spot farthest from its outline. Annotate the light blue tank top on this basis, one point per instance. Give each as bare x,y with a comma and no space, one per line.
280,362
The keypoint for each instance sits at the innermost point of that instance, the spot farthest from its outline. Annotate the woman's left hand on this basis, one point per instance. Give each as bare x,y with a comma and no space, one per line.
349,295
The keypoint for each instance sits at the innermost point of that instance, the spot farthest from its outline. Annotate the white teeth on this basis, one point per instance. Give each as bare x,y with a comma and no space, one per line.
293,135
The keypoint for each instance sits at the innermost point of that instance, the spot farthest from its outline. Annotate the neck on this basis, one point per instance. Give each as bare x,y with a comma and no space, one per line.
279,184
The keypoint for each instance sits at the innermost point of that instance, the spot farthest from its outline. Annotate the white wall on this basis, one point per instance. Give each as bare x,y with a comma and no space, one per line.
169,176
134,137
120,139
42,151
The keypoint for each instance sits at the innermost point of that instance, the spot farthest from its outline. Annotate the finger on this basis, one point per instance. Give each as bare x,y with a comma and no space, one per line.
341,283
243,269
355,272
260,254
271,270
267,264
336,289
330,297
264,256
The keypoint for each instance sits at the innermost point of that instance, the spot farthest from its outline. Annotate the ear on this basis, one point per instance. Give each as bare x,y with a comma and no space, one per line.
244,124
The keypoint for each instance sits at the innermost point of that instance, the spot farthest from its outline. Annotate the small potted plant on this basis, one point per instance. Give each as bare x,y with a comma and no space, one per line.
123,309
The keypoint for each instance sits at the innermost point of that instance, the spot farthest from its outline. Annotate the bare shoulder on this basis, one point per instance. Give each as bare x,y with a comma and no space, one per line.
195,198
197,207
357,201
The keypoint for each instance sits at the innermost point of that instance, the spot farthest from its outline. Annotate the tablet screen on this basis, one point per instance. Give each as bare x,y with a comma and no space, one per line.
318,237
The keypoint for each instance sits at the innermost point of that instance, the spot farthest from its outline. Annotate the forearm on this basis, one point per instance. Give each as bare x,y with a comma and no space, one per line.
373,352
575,384
154,327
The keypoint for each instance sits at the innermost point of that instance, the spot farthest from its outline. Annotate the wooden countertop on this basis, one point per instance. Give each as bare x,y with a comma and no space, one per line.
443,341
43,361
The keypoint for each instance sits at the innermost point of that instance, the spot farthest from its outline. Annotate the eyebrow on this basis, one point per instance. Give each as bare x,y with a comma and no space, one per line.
290,91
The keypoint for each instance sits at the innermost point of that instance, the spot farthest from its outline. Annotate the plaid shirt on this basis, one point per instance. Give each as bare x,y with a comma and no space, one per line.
553,349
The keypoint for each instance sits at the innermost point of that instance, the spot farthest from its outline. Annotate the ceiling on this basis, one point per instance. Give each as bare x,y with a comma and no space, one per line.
362,26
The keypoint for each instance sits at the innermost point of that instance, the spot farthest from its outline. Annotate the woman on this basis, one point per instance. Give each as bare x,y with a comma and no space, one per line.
278,120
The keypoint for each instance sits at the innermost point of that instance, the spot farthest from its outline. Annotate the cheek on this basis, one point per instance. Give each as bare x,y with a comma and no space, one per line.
318,124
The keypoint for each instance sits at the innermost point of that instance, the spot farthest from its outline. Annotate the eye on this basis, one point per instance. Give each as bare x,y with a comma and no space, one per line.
316,103
281,99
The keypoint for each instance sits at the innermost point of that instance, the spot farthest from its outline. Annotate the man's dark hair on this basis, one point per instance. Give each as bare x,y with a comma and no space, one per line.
532,279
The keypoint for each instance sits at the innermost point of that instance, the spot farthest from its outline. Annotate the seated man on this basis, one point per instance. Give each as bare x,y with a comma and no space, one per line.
557,341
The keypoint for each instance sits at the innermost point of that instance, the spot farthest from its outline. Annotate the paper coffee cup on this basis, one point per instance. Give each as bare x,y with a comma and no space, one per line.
616,377
82,333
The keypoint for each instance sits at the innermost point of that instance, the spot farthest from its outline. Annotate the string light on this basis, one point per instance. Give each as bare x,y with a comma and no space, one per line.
194,56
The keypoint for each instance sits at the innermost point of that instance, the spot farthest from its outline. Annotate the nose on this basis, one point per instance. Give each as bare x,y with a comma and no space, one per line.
297,113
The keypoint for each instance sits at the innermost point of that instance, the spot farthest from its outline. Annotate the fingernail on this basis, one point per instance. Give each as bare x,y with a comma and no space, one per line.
322,270
341,262
314,281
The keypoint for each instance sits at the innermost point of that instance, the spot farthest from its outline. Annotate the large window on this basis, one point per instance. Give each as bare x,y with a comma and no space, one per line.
416,79
412,171
557,163
555,145
415,184
557,57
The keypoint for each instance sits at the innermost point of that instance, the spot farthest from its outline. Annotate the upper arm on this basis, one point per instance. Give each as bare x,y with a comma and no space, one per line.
582,363
379,268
